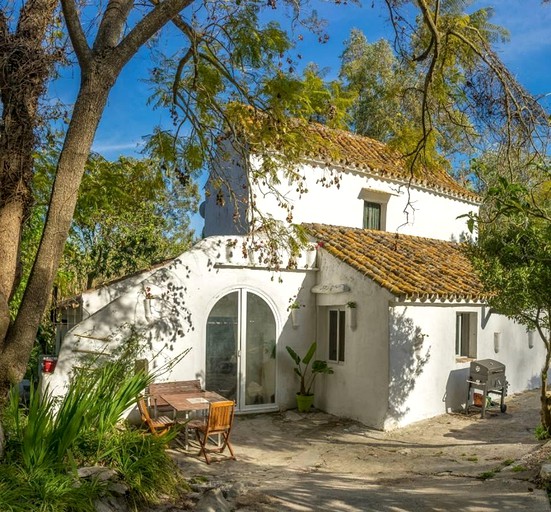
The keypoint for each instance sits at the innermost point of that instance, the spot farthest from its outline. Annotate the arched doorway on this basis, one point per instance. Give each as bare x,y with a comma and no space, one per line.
241,350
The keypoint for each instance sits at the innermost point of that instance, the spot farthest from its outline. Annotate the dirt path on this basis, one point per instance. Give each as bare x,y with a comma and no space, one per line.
311,462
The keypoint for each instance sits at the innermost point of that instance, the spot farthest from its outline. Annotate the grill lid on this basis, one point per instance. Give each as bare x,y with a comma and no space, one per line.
486,366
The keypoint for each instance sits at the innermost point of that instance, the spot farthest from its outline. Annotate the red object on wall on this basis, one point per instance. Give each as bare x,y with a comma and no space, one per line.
48,364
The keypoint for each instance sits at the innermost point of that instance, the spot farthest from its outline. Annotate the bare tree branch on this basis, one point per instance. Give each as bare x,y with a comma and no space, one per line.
146,28
76,34
112,24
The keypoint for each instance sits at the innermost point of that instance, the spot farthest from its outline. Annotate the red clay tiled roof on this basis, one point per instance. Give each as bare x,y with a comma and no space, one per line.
368,155
409,267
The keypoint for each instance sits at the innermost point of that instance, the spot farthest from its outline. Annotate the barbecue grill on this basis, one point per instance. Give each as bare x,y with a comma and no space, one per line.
488,376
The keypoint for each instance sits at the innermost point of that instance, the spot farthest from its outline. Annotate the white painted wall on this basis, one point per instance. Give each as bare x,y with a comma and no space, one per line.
429,214
359,387
426,378
228,217
381,383
95,299
190,287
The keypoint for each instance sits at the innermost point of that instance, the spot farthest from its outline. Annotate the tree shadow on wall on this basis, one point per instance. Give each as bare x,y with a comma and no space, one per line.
409,354
167,315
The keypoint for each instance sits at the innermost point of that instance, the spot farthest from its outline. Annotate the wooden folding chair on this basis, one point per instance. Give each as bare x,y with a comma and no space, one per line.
218,422
157,426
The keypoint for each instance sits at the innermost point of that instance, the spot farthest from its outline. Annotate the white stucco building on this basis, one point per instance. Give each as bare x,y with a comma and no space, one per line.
401,355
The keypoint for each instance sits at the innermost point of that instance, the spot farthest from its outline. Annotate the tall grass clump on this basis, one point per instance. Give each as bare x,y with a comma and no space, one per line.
51,439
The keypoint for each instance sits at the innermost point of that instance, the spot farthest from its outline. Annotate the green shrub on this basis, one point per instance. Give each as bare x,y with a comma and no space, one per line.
46,490
541,433
486,475
142,463
47,442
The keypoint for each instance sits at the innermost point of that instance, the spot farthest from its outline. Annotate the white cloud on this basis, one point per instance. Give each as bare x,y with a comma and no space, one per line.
123,147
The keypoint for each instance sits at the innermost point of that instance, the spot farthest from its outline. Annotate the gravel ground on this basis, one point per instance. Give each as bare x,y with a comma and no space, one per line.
315,461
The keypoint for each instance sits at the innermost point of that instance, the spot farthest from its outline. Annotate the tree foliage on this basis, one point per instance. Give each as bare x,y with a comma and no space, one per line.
512,255
381,110
129,214
445,91
236,83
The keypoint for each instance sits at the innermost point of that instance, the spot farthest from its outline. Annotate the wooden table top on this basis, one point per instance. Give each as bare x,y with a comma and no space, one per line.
191,401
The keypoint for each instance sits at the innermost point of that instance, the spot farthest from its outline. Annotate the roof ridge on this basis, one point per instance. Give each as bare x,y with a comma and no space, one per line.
387,162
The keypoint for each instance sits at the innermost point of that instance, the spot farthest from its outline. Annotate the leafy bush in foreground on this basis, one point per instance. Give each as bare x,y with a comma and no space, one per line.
50,440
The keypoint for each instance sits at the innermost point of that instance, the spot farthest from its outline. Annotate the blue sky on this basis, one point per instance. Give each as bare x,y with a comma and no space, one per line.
128,117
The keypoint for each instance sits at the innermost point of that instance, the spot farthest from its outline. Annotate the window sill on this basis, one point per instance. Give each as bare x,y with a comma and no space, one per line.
463,359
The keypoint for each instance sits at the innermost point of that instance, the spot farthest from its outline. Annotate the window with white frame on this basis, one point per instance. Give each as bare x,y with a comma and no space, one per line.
336,335
465,334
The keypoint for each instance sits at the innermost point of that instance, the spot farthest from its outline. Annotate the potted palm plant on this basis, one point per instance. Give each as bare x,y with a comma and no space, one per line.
307,375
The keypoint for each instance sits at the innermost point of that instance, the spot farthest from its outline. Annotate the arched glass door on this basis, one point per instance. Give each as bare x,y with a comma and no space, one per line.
240,350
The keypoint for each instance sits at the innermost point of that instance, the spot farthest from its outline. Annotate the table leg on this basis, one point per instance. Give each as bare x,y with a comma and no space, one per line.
186,431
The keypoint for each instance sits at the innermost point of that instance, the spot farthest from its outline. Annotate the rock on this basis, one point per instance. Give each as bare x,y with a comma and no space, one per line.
545,472
118,488
111,504
99,472
213,501
102,506
237,489
293,416
254,501
202,486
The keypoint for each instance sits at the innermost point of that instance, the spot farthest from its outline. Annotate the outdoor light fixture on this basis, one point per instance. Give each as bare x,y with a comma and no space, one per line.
530,339
497,341
352,314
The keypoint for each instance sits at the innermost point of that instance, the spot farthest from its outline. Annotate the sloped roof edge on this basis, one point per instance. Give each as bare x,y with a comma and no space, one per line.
411,268
360,153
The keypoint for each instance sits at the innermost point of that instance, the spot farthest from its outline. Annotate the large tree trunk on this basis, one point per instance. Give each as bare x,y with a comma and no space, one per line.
100,67
544,395
25,66
89,107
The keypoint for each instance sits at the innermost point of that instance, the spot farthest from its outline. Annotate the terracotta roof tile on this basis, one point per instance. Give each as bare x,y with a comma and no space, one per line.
368,155
409,267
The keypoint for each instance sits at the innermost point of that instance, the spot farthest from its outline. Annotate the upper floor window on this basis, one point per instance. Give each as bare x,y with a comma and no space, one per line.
465,335
374,208
372,215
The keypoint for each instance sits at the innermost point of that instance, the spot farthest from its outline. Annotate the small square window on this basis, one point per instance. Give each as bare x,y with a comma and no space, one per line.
465,335
372,215
336,335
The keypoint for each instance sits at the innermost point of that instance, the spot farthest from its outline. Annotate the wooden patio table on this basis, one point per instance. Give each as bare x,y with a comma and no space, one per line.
190,401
